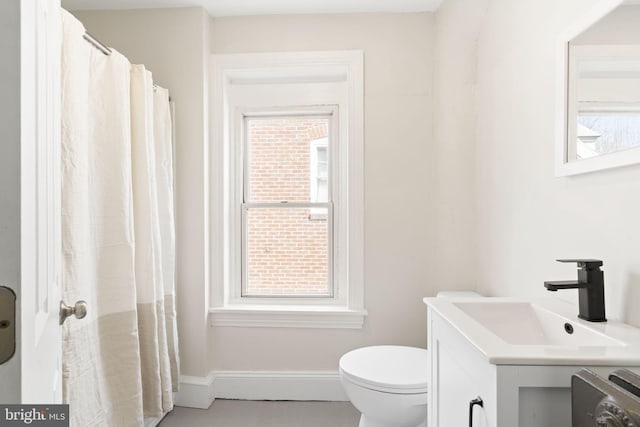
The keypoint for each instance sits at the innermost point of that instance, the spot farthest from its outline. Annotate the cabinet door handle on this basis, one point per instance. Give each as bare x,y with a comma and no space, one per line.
472,403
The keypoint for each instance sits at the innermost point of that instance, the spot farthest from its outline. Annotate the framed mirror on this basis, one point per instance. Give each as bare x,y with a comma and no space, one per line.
599,90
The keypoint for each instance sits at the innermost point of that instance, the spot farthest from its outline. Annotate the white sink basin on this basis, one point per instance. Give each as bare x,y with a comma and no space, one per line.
524,323
536,332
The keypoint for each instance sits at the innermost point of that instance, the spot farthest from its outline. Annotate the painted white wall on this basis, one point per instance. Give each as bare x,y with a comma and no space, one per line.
618,27
525,217
173,44
457,24
399,193
10,179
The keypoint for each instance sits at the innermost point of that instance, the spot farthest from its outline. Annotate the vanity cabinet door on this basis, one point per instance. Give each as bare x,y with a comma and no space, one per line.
458,389
459,375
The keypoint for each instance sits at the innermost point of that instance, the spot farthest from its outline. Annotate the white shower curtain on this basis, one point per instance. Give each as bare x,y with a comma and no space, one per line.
156,372
163,133
118,241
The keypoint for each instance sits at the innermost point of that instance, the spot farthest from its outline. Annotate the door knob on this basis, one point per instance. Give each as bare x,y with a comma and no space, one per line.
79,310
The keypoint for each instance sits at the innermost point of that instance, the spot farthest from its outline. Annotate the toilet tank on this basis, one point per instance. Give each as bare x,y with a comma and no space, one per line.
459,294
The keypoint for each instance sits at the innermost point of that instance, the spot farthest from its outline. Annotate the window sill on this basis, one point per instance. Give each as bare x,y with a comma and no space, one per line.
287,317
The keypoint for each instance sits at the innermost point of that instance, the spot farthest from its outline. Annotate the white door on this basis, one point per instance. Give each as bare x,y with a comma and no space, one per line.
40,250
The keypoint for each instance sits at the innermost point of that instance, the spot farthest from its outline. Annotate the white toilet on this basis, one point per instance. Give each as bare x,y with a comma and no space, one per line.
388,383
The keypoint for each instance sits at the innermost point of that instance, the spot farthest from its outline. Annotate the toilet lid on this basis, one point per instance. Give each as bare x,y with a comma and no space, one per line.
388,368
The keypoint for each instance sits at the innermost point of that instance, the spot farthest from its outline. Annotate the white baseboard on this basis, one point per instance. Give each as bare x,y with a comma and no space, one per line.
196,392
200,392
268,385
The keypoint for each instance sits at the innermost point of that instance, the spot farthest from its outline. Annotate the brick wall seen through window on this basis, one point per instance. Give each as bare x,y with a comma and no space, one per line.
286,247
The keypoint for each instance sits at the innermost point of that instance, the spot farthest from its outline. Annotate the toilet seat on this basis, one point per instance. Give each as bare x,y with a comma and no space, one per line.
387,368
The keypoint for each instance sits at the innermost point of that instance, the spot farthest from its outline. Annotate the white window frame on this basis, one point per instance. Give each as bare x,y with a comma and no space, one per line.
330,113
242,83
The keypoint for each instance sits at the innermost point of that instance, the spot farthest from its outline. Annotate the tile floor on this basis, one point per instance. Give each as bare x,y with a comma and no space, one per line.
247,413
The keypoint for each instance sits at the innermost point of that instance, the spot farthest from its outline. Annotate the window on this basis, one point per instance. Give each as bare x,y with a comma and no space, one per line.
286,190
287,240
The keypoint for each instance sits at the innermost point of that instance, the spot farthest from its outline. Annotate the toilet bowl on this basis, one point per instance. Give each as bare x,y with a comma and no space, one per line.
388,383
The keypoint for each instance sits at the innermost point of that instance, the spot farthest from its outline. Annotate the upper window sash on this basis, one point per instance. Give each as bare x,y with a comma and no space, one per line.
323,112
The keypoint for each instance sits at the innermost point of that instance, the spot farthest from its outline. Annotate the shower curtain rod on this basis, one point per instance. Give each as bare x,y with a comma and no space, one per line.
96,43
104,49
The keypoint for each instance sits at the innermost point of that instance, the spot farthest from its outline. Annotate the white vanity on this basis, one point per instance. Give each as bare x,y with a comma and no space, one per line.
517,357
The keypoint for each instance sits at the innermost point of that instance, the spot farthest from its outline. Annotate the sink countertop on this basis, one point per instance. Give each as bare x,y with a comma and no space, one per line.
616,343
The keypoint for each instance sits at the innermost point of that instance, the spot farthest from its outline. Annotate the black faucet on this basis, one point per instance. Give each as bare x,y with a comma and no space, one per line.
590,285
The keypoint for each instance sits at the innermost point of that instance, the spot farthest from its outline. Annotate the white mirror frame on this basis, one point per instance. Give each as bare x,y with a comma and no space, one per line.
608,161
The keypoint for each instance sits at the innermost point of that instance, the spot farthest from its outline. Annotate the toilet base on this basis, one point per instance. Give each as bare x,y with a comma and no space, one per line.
364,422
